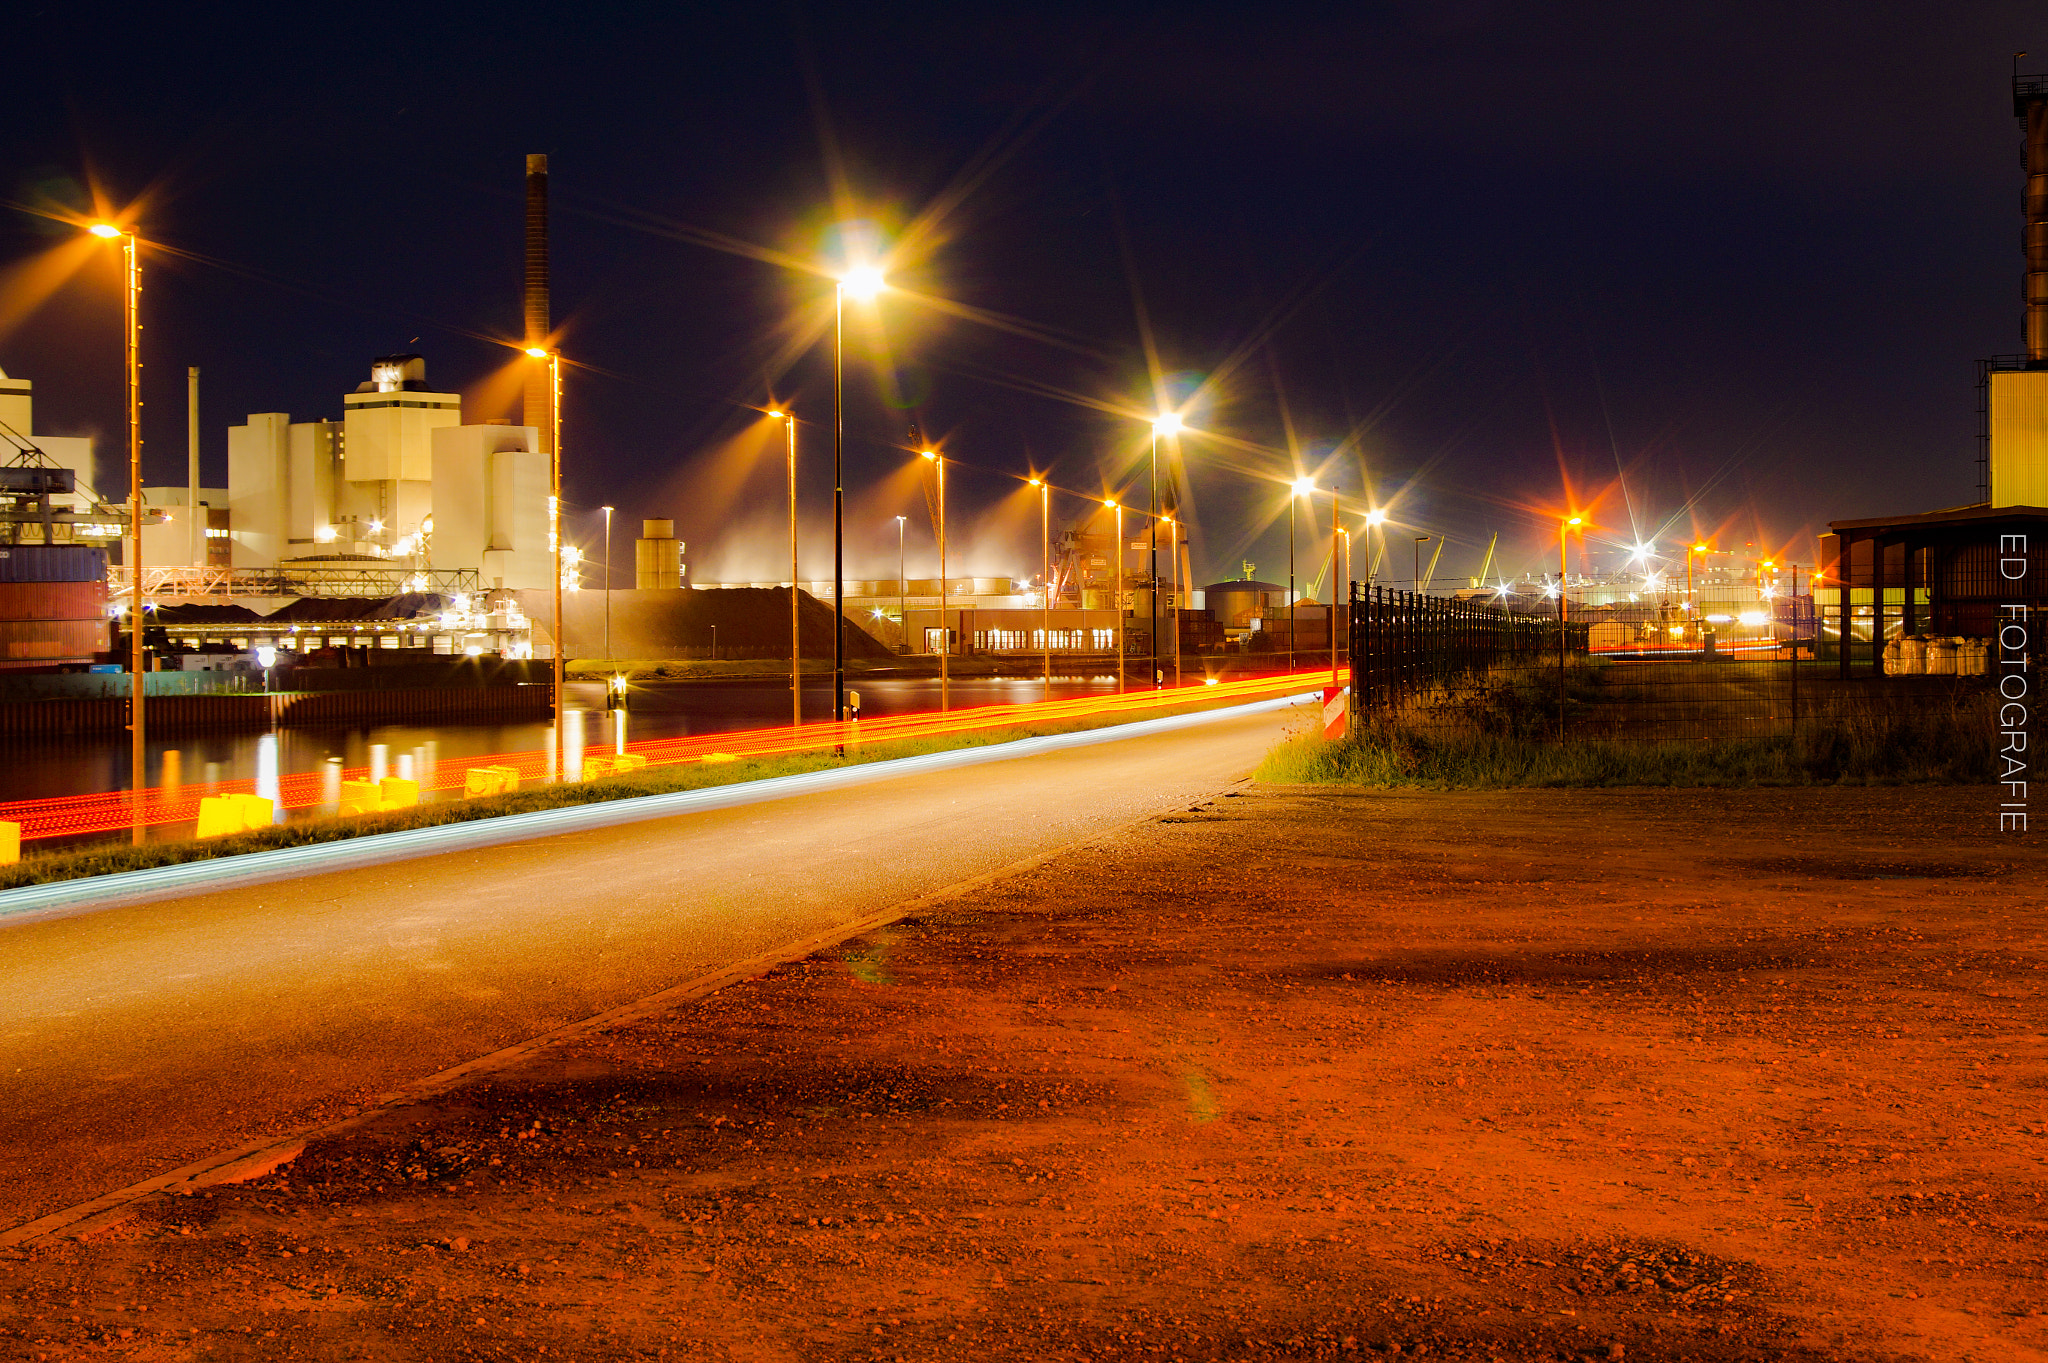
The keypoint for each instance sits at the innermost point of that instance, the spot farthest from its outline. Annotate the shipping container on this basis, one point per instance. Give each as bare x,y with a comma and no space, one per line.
53,563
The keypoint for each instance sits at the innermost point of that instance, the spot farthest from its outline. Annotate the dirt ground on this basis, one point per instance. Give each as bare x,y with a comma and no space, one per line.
1535,1075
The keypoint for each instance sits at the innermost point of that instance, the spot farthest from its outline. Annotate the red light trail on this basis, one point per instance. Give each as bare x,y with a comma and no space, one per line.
112,811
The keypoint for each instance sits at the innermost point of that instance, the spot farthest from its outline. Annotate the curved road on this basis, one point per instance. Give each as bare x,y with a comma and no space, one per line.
140,1039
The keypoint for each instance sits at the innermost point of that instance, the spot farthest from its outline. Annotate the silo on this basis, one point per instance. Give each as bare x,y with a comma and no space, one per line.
53,605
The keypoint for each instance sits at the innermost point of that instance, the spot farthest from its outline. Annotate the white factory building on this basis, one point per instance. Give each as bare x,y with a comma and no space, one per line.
398,482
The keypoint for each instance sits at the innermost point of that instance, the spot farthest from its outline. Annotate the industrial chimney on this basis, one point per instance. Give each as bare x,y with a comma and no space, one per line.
2015,409
539,411
2030,106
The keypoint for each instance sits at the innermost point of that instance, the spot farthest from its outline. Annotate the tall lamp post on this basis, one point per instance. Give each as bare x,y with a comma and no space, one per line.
863,284
131,328
554,359
1173,552
1168,423
902,588
607,584
1302,488
1563,534
1045,576
945,626
1336,583
1116,594
1692,602
796,688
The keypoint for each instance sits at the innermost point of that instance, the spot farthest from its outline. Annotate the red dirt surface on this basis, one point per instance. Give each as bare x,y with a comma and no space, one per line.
1533,1075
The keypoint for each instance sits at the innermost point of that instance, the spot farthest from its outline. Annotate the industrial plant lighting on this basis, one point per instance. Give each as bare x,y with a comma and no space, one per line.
536,352
1699,548
932,455
105,229
1576,520
376,527
862,284
778,414
1110,505
1037,482
1168,424
1375,518
1304,486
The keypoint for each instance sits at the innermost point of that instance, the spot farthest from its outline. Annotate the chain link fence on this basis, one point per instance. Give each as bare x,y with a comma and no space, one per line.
1458,668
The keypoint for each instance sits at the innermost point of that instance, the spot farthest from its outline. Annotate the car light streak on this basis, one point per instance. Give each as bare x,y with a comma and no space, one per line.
109,811
67,897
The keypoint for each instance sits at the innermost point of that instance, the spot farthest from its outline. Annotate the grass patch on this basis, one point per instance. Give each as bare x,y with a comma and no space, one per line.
1854,741
48,867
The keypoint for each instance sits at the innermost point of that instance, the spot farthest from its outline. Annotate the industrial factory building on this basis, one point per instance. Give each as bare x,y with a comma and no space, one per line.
1956,574
399,481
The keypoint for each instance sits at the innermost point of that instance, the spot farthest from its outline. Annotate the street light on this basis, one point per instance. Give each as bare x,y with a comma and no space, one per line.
1375,517
554,359
945,626
1692,601
1116,595
132,352
1302,488
1166,423
1173,552
1045,576
863,283
607,583
902,588
796,690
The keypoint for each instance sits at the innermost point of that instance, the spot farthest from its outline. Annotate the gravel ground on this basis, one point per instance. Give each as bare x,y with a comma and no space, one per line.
1523,1075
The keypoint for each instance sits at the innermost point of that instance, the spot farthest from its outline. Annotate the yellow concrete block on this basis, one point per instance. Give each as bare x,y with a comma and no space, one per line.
219,815
255,810
398,793
10,843
360,797
719,757
627,761
597,768
481,781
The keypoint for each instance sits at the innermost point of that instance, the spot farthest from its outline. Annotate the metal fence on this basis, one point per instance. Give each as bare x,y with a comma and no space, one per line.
1452,666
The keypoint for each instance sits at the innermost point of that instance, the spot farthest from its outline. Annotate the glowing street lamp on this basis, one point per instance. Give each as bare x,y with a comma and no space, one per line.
132,351
1374,517
554,363
1045,576
796,686
1116,596
607,583
863,283
902,587
1166,423
945,625
1302,487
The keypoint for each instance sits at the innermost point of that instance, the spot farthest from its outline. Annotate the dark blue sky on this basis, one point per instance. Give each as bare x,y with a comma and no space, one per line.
1746,252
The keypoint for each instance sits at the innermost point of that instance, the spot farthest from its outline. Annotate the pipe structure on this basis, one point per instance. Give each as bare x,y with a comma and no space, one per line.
2030,106
538,408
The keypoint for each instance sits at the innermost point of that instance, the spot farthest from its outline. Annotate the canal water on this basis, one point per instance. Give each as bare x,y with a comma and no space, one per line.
91,763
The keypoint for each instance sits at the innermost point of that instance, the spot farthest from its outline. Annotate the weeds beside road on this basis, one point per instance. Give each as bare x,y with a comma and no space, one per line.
1502,730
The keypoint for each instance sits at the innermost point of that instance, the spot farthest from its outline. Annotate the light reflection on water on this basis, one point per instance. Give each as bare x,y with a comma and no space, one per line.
87,763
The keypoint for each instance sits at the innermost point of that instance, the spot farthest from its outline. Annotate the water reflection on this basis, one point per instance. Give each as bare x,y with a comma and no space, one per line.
89,763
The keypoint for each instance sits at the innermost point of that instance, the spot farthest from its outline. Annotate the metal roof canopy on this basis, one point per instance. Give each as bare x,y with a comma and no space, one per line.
1957,557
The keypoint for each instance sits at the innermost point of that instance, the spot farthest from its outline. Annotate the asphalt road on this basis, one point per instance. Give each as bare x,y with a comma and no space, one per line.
137,1040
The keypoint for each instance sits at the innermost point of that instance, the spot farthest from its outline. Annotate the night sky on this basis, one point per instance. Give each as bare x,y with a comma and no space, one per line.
1472,258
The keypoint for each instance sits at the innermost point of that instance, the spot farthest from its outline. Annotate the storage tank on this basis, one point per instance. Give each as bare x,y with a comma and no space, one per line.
53,605
1236,604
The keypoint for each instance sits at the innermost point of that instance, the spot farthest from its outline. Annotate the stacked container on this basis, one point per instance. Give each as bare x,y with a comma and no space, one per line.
53,605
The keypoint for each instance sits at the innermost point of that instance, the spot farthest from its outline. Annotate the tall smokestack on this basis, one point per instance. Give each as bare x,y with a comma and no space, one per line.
539,395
